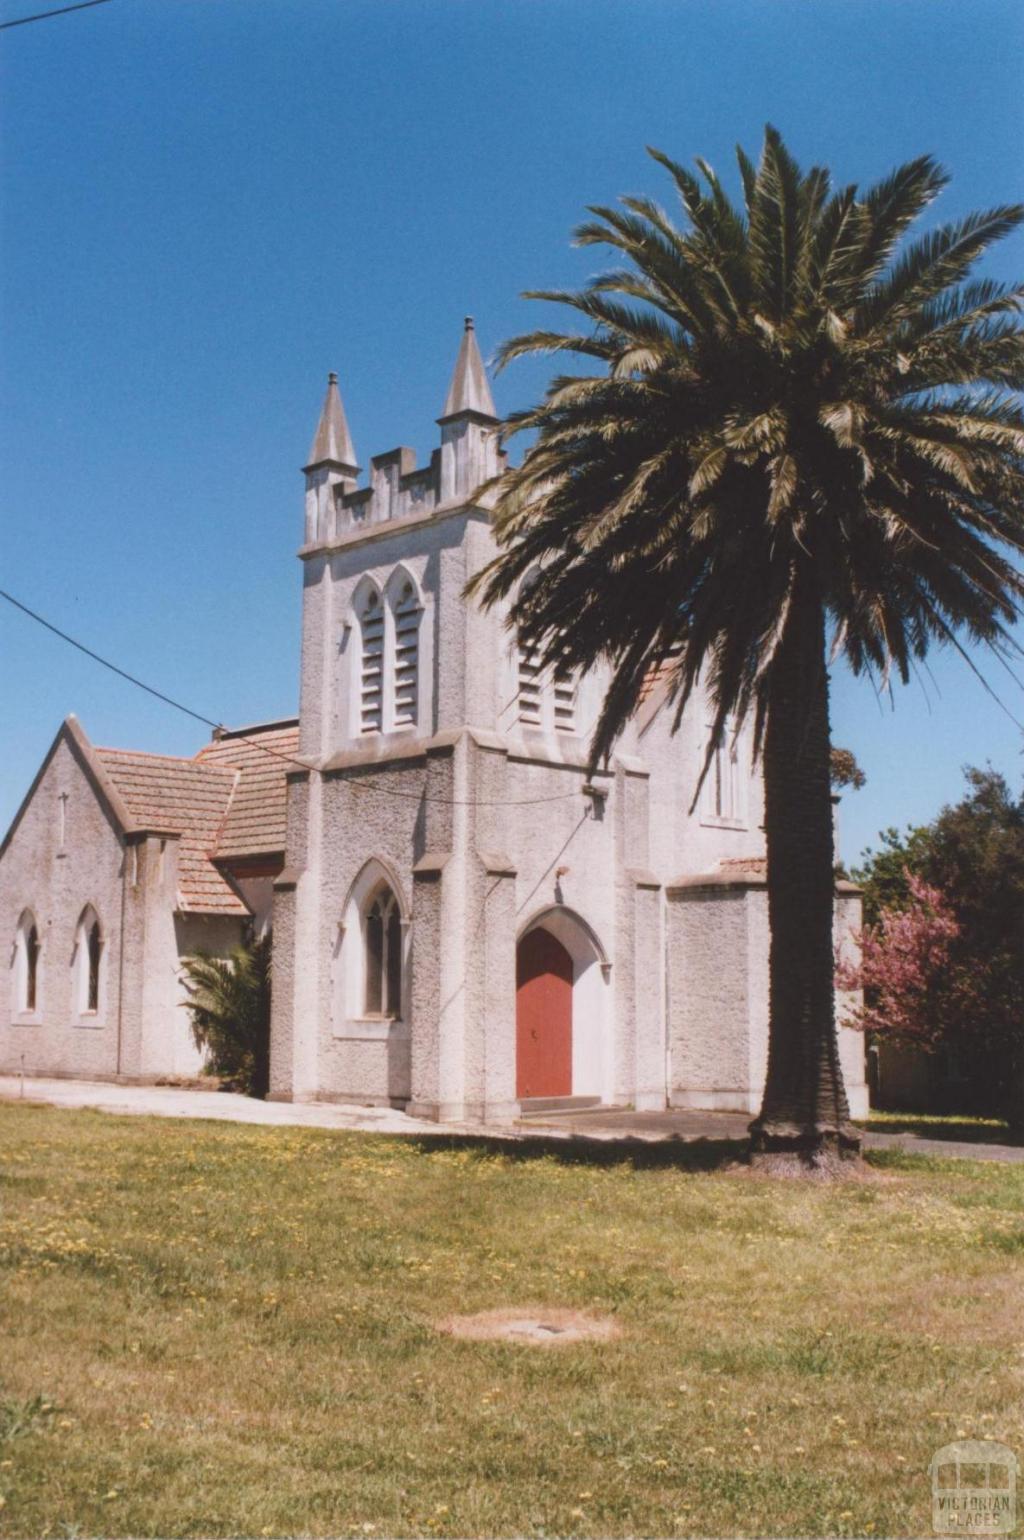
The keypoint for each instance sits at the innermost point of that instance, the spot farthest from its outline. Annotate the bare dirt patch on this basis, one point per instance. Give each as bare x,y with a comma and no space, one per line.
533,1327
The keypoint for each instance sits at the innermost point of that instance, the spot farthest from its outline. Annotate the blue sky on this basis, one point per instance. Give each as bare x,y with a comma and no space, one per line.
208,204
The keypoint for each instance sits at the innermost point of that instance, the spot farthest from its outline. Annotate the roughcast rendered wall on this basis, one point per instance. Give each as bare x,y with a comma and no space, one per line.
64,854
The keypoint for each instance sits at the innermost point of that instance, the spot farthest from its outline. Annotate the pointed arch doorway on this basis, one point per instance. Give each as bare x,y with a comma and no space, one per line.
544,987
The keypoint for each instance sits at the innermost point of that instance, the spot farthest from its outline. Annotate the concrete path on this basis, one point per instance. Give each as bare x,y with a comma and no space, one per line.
670,1124
608,1126
733,1125
224,1106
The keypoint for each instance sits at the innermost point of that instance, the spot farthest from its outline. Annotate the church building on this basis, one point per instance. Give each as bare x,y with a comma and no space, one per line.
465,922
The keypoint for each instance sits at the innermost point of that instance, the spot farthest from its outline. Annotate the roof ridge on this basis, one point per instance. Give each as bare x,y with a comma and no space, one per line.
141,753
171,759
274,724
228,803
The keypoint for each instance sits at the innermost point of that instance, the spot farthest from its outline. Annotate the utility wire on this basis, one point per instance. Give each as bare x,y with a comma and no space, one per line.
23,21
106,662
197,716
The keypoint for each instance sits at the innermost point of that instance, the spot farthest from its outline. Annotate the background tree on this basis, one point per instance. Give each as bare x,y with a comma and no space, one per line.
795,438
905,968
228,1001
844,769
972,856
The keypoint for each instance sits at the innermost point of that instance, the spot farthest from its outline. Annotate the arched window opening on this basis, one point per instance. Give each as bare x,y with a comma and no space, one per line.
383,941
26,964
31,968
94,944
87,963
371,682
407,647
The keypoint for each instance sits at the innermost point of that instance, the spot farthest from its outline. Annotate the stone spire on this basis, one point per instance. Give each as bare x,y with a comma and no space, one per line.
469,426
332,442
331,469
469,392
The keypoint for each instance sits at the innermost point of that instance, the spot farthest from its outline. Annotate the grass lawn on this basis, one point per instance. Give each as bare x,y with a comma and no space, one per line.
215,1330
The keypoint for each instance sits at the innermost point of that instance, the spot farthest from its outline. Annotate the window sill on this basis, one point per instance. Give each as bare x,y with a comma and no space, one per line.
370,1029
385,734
27,1019
89,1021
709,821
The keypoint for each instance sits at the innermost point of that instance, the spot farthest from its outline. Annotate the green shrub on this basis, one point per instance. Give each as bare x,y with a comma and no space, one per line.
229,1006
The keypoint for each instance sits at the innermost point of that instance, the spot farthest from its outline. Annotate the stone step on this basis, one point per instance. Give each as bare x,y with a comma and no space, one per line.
538,1106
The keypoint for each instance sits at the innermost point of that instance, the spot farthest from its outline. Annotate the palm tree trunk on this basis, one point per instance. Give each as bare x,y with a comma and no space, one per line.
804,1118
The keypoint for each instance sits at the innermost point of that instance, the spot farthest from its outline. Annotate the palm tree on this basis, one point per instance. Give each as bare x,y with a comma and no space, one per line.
228,1001
796,439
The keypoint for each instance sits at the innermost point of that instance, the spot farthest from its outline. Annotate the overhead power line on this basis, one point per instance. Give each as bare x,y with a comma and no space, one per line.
197,716
23,21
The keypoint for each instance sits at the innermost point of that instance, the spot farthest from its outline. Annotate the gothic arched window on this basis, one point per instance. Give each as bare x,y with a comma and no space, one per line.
88,958
382,931
26,964
371,664
407,656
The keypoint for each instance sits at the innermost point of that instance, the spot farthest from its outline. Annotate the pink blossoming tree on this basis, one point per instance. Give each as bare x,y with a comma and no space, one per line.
904,968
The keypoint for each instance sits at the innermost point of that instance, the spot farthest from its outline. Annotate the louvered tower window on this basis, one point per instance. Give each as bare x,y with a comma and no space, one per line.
407,657
530,681
565,702
372,665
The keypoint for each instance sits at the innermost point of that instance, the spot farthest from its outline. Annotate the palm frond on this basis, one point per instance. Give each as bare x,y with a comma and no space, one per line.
793,386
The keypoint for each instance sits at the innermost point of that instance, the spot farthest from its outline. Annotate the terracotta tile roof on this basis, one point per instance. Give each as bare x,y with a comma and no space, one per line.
190,798
261,757
227,803
753,866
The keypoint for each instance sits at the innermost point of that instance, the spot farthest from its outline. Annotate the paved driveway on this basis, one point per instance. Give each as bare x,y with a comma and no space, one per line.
608,1126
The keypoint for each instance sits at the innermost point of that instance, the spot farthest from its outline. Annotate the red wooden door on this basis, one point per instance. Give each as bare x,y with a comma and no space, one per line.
543,1016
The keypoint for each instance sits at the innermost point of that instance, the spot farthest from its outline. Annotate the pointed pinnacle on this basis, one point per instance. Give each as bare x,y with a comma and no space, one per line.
332,440
469,390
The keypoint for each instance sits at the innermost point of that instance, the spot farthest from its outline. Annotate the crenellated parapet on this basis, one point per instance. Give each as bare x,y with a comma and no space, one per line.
338,510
